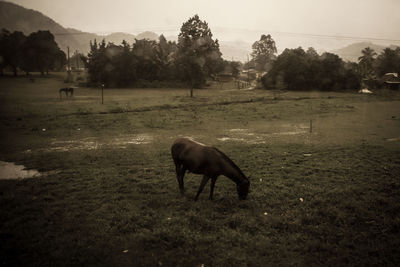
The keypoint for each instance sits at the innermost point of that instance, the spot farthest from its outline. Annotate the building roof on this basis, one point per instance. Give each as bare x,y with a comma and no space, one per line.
392,78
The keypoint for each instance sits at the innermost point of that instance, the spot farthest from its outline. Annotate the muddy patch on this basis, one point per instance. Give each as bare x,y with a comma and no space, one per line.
139,139
263,135
92,143
9,170
392,139
84,144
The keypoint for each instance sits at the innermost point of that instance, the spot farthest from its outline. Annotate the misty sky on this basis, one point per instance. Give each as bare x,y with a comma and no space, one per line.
360,18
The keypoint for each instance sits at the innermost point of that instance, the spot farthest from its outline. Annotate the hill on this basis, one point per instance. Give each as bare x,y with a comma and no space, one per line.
353,51
147,35
17,18
235,50
118,37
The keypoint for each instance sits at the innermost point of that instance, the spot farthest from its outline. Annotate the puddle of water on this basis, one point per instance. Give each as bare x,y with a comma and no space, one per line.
289,133
224,139
133,140
72,145
245,135
238,130
93,143
9,170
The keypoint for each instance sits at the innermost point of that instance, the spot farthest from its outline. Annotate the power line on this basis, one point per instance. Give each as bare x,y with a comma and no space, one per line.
341,37
290,34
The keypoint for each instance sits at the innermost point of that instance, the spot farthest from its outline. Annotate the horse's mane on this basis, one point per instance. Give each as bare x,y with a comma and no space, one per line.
231,162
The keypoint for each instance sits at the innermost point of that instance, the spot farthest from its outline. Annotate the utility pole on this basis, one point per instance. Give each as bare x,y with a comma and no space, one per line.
77,59
69,66
69,78
248,69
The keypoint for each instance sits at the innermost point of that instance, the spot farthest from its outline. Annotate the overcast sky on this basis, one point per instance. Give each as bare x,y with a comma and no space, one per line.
360,18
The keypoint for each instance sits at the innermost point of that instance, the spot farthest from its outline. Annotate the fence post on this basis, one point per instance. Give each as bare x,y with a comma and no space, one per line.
102,93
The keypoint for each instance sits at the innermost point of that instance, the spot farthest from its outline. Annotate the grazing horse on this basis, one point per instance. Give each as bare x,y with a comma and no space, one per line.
67,90
189,155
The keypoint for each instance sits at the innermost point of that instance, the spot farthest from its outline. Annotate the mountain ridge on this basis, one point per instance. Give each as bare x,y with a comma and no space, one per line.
353,51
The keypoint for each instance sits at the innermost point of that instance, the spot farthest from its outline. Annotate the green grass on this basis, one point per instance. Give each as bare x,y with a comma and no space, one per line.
112,202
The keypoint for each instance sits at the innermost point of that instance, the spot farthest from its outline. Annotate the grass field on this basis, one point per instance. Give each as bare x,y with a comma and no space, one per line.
327,195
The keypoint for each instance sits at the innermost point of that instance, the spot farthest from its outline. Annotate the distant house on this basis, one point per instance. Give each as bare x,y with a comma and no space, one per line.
249,75
223,77
391,80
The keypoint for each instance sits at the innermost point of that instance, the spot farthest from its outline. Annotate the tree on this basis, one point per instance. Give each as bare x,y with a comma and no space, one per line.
296,69
97,62
166,52
388,61
13,50
3,51
40,51
145,53
366,62
124,62
263,53
198,54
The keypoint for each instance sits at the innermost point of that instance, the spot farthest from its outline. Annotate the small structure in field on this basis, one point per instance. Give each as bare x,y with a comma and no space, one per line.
391,80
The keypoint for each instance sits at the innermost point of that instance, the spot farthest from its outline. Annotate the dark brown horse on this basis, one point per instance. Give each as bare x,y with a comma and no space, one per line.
67,90
189,155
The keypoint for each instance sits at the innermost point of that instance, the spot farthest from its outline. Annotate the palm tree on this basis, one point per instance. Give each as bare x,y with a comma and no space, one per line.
366,62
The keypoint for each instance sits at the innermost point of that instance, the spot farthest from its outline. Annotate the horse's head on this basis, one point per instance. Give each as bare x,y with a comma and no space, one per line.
243,189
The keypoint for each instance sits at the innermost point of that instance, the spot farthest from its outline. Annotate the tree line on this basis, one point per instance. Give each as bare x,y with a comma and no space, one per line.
296,69
35,52
194,58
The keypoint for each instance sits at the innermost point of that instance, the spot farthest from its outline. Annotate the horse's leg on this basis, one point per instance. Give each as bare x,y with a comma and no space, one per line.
203,183
212,184
180,173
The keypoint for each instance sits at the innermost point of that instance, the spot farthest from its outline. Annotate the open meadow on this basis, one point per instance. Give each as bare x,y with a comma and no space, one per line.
324,171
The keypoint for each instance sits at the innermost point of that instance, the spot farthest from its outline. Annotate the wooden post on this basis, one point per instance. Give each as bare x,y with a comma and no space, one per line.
310,118
102,93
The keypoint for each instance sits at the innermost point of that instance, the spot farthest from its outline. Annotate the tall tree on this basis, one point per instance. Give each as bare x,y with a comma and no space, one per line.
166,52
198,54
366,62
13,50
124,63
98,63
388,61
145,52
3,51
264,52
40,51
